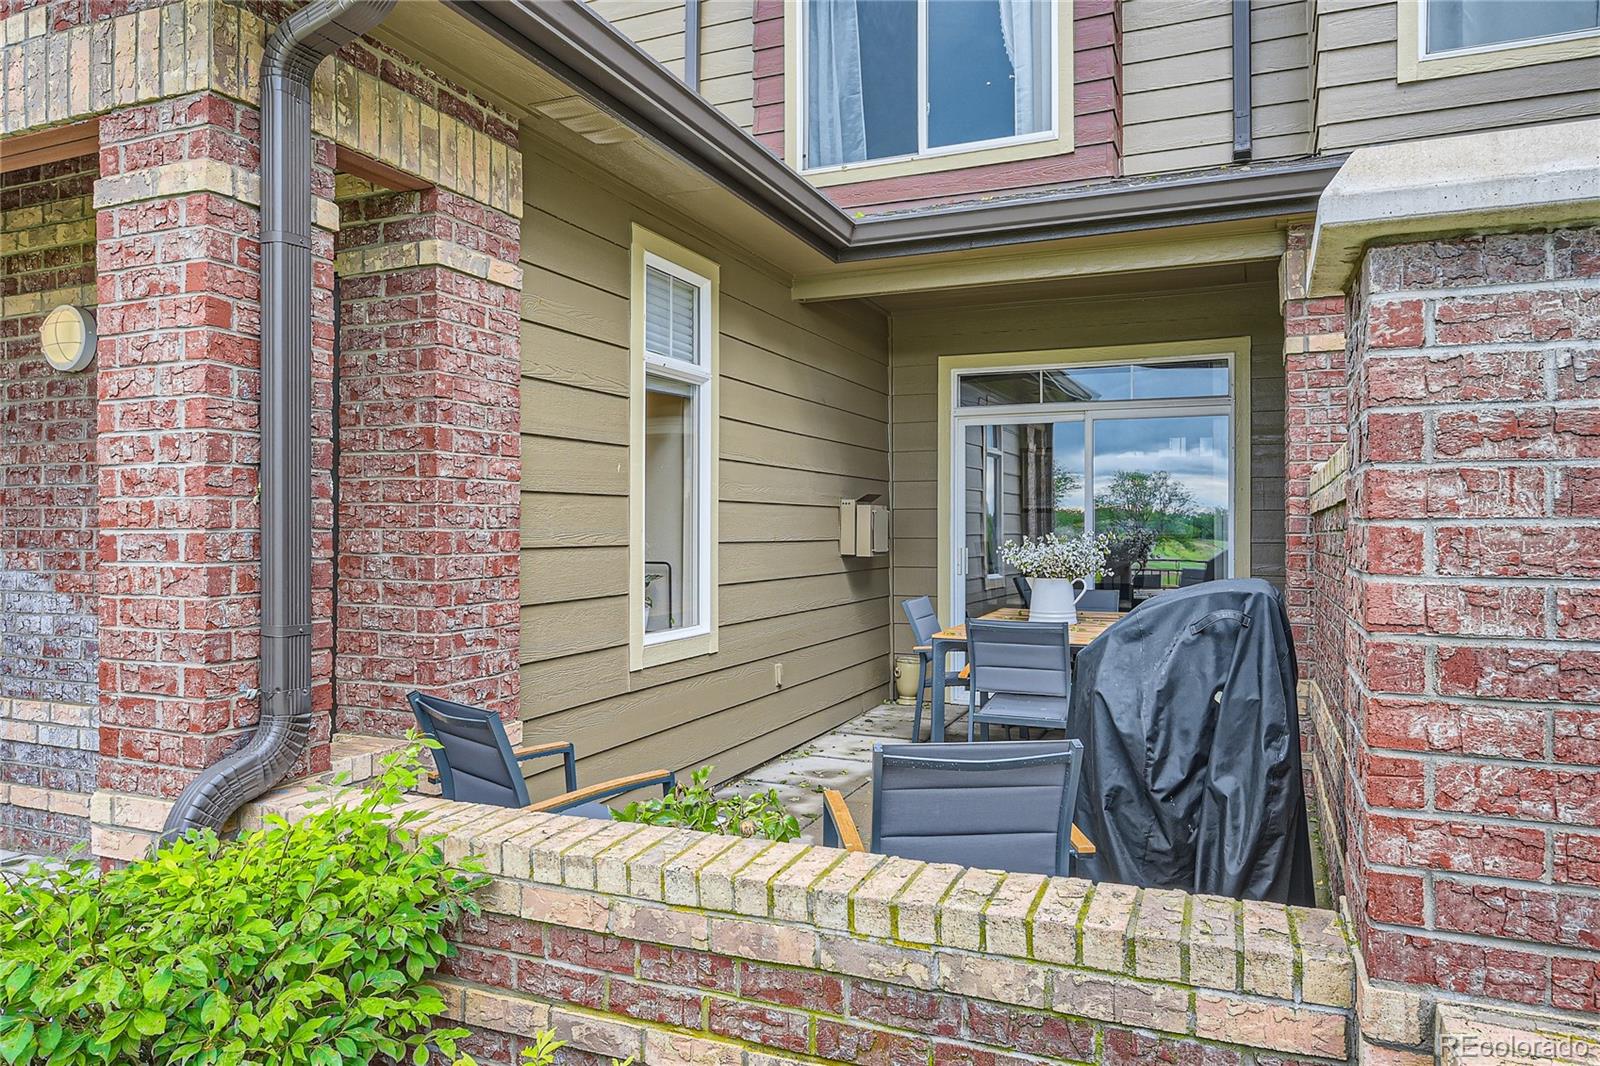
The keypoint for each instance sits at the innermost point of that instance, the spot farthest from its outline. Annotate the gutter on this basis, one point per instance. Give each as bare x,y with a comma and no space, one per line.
585,51
293,52
1243,121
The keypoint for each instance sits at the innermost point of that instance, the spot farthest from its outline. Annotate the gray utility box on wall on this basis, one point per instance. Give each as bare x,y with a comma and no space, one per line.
863,527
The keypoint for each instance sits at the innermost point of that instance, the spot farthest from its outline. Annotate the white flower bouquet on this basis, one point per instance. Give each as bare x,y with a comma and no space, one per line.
1050,557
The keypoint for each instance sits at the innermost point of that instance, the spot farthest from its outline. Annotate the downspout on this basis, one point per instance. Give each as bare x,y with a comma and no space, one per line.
292,53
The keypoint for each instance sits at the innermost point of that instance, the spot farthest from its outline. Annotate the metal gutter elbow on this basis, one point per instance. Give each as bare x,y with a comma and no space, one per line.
292,54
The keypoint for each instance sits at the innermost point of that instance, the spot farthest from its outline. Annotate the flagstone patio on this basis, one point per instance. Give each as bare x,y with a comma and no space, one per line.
840,759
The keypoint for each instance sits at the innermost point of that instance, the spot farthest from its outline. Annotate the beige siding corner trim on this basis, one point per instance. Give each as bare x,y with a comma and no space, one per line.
1058,143
645,242
1237,347
1412,65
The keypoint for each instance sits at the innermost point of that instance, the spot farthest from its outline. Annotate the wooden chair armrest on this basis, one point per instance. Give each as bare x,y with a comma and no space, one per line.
838,826
922,647
966,672
1082,844
605,790
530,751
563,748
538,751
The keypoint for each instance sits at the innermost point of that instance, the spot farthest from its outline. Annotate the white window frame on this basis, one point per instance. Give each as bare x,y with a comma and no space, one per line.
994,481
1415,62
1235,405
649,251
1056,139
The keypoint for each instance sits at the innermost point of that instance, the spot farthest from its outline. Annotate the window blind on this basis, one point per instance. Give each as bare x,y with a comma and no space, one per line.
671,306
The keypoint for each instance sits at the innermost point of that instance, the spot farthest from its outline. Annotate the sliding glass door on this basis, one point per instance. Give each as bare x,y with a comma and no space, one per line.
1142,452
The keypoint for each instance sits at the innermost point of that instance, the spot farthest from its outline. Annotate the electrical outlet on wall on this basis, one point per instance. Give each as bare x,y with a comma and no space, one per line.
777,675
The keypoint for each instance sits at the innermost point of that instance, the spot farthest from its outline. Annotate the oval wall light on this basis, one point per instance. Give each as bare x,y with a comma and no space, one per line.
67,337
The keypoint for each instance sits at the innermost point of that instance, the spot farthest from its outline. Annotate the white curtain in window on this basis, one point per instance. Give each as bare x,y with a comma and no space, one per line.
835,120
1017,27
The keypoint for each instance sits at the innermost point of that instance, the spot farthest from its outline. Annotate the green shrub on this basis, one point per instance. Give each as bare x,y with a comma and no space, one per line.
695,807
303,943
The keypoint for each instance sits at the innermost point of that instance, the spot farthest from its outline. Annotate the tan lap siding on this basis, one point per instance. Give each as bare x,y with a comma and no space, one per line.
1178,82
1358,101
803,422
921,337
727,45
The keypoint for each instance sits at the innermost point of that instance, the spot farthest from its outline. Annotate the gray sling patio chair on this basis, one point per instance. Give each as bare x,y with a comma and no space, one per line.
1002,806
924,622
1021,675
1100,600
477,764
1024,589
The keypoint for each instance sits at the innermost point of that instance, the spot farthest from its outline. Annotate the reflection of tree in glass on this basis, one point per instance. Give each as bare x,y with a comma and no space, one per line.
1139,508
1067,488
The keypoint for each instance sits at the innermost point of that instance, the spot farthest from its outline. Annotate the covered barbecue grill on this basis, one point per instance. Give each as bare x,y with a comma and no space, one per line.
1187,713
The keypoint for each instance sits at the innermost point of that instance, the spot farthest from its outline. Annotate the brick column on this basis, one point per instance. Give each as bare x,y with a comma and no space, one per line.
178,384
1314,419
429,457
1474,578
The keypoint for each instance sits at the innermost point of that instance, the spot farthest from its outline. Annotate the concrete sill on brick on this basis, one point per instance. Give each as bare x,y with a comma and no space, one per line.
696,948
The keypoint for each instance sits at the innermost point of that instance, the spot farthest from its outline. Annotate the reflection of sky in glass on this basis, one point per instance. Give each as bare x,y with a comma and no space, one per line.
1137,381
1193,450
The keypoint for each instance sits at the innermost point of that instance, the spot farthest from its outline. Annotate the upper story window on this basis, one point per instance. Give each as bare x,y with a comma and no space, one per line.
1450,38
1455,25
903,79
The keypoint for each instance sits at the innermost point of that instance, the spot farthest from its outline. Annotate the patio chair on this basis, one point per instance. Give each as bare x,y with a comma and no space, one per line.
477,764
1024,589
1003,806
1021,675
1100,600
924,622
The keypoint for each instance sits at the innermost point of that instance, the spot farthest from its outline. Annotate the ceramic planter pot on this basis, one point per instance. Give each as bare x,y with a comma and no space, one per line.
1055,599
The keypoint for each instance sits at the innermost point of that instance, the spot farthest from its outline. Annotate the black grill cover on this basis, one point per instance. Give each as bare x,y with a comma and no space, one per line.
1191,743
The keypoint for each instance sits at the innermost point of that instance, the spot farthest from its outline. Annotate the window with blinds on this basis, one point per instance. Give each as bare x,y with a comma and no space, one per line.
676,452
671,320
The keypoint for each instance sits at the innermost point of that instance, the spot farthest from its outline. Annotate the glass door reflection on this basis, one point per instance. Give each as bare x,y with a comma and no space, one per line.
1019,479
1163,494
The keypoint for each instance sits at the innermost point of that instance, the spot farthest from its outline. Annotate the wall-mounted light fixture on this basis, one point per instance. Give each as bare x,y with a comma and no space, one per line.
67,337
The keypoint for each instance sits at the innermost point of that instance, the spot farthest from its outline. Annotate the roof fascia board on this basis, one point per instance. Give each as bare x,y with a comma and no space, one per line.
582,49
1284,189
585,51
970,272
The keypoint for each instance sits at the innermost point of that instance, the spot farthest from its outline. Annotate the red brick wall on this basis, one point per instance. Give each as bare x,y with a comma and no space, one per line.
429,462
47,439
179,384
1473,667
1097,119
1314,427
48,613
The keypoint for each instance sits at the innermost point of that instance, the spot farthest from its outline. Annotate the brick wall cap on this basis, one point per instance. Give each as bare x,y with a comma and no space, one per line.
1497,180
1116,933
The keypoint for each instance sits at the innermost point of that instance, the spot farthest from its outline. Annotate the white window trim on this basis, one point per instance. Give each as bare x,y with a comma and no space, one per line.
951,553
1415,63
652,250
994,508
1057,140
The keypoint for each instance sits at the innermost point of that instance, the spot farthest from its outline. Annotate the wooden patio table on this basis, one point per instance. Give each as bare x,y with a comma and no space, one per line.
954,638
